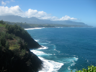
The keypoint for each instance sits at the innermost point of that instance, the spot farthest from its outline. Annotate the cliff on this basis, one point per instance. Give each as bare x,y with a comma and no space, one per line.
15,55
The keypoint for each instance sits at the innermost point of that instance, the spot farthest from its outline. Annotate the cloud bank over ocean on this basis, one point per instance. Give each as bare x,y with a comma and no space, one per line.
16,10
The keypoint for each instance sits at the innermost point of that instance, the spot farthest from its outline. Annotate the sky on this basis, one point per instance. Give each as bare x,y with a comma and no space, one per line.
56,10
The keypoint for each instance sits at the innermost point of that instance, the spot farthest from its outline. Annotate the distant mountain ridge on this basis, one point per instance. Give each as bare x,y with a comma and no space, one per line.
35,20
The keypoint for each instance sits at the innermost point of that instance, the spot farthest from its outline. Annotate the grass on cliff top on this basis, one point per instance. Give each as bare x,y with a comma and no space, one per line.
14,47
1,25
2,28
10,41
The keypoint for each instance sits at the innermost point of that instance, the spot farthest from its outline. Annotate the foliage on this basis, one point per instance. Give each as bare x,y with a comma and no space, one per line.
23,51
20,32
0,44
90,69
2,22
14,47
2,25
2,38
15,56
7,45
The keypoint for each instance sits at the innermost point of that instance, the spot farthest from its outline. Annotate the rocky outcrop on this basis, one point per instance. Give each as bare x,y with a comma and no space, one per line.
15,55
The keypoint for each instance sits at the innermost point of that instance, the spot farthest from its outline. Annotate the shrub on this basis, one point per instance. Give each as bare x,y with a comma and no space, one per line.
3,41
90,69
7,45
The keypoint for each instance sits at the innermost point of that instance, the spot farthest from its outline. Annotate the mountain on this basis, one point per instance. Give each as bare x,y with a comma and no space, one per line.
35,20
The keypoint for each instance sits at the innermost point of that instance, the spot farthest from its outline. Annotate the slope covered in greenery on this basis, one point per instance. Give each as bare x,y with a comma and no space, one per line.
15,55
90,69
20,32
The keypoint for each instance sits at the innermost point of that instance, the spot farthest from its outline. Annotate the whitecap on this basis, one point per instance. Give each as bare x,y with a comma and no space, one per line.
36,40
50,66
43,47
39,53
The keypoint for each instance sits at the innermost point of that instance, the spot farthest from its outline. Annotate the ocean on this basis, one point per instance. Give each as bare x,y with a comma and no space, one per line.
65,49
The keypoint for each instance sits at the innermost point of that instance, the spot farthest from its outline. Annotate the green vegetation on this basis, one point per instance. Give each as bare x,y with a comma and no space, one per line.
20,32
90,69
15,55
2,25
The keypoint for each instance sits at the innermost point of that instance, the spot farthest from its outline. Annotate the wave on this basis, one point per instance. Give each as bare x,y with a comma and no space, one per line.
39,53
73,63
36,40
33,28
43,47
50,66
55,64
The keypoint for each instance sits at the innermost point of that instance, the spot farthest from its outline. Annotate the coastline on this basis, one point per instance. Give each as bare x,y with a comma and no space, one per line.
33,28
54,27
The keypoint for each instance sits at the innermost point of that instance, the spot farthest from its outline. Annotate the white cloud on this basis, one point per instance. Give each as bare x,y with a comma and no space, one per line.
3,3
67,18
6,2
13,10
16,10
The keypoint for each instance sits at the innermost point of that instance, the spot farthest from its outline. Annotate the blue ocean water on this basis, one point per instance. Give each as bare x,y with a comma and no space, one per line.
65,49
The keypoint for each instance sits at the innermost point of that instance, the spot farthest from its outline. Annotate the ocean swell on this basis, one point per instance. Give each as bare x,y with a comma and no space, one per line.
51,62
48,65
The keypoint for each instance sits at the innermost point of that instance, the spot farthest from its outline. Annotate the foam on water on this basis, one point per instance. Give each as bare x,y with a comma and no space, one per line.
43,47
73,63
39,53
50,66
33,28
36,40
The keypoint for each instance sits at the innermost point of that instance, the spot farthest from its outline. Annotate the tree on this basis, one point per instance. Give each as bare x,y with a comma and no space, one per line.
2,22
3,41
7,45
0,45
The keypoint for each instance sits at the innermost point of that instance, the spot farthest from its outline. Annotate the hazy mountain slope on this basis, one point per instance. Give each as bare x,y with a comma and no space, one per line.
35,20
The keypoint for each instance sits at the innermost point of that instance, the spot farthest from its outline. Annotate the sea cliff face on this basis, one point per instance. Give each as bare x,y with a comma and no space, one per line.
15,55
20,32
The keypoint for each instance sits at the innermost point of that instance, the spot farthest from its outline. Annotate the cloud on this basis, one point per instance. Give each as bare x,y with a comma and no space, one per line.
13,10
16,10
6,2
3,3
67,18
